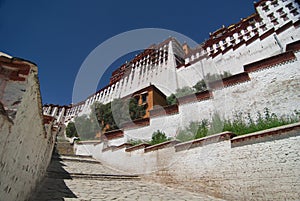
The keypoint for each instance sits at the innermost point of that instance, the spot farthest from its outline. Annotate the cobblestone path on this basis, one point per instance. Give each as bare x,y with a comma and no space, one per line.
82,179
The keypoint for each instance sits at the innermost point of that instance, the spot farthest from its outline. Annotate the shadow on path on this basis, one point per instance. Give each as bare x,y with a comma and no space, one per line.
53,186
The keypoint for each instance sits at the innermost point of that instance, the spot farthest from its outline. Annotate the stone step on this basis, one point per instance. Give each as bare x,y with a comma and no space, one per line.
75,158
63,175
79,160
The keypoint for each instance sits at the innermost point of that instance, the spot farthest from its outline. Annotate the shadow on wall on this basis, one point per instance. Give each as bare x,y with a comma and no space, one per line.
53,186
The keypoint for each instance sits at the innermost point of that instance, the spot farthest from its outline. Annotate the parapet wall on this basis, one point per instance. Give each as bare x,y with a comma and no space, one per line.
261,166
25,143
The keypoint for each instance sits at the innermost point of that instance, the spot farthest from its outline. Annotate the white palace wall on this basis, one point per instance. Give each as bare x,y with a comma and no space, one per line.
233,60
275,88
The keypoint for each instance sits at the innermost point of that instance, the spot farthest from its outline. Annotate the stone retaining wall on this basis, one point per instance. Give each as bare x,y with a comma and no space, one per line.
260,166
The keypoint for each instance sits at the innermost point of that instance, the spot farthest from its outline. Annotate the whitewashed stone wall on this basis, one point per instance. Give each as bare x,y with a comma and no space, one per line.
275,88
233,61
267,168
25,144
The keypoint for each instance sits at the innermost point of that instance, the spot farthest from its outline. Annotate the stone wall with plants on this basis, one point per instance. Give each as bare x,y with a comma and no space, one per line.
270,84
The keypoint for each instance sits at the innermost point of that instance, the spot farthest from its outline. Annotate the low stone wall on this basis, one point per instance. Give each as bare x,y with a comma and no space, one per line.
25,143
260,166
65,148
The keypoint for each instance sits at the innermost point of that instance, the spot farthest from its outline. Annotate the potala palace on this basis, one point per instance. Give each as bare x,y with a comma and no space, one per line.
260,56
260,52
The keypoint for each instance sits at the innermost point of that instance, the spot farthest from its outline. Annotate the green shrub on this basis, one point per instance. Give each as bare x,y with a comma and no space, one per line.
116,113
135,142
202,86
158,137
71,130
240,126
184,91
198,87
171,100
195,130
86,127
216,125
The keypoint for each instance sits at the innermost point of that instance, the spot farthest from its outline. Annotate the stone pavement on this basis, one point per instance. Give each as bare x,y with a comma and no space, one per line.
81,178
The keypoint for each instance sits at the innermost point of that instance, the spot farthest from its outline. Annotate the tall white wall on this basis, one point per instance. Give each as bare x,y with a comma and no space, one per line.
233,61
25,144
275,88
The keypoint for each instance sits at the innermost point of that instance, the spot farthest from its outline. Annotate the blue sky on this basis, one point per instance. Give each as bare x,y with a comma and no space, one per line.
58,35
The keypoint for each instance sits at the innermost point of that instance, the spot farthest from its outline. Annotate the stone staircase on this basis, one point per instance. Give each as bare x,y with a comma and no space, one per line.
82,178
83,167
76,170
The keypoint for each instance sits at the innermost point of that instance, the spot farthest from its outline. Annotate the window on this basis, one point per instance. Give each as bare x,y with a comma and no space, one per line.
290,6
275,3
144,98
295,12
275,22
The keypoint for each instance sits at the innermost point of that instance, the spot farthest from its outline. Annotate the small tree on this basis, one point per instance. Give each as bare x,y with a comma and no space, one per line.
171,100
86,127
200,86
184,91
136,111
71,130
158,137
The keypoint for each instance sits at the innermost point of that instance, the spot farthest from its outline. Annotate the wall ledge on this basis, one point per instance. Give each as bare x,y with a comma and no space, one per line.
197,97
229,81
15,69
137,147
94,142
110,148
267,135
230,47
48,119
136,124
161,146
252,39
284,27
122,146
238,45
204,141
114,134
295,46
163,111
270,62
266,34
297,23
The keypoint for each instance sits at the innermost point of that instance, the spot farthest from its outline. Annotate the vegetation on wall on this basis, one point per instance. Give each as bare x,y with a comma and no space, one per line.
105,117
113,114
244,125
240,124
136,142
86,127
195,130
198,87
158,137
71,130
